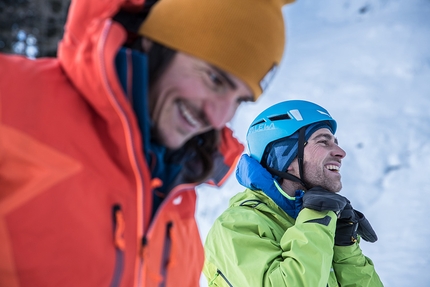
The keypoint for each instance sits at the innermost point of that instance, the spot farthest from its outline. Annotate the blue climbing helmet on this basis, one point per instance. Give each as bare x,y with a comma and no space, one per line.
279,134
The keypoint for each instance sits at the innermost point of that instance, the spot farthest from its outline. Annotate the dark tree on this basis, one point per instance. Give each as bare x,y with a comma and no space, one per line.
32,27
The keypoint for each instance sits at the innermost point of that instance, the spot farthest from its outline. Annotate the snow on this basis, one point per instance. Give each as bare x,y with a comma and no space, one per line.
368,63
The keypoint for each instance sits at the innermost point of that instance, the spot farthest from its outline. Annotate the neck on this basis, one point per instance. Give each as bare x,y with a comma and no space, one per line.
290,187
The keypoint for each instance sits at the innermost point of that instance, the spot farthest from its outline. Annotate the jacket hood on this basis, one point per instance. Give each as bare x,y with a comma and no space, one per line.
252,175
88,49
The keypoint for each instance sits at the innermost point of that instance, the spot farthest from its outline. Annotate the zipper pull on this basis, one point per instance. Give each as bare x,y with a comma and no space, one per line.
156,183
119,227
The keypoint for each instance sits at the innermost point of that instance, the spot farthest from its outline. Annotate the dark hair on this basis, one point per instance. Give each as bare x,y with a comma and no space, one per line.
197,154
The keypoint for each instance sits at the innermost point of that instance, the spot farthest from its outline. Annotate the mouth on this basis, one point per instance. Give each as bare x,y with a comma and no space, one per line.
187,113
332,167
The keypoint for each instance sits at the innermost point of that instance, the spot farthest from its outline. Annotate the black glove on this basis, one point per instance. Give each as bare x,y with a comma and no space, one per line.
350,223
319,199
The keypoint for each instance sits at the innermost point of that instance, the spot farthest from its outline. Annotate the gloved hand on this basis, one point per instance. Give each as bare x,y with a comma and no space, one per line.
319,199
350,223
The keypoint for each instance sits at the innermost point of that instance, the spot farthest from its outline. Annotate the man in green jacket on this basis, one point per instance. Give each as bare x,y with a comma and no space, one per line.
290,227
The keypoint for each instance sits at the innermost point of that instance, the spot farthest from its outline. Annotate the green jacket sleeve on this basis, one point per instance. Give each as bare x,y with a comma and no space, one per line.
352,268
248,248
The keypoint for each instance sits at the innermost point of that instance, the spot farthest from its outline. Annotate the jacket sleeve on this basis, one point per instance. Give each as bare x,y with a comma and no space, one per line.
243,250
352,268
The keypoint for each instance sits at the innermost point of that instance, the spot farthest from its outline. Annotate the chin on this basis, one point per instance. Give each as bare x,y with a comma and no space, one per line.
174,143
338,189
169,142
334,189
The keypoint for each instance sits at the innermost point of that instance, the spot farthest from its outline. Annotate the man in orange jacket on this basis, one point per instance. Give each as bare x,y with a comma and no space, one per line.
101,148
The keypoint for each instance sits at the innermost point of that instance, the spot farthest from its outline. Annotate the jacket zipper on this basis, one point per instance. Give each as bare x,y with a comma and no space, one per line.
118,234
223,277
166,253
131,150
167,244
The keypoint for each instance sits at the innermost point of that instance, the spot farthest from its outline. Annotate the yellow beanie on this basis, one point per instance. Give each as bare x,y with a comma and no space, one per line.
242,37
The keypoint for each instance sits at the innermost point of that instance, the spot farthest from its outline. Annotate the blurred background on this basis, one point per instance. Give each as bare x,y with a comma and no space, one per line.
32,27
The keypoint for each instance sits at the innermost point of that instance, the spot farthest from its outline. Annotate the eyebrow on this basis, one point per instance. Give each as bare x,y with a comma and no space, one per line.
226,77
326,136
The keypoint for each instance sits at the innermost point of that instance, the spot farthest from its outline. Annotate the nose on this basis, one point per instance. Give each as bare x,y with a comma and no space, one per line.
338,151
220,110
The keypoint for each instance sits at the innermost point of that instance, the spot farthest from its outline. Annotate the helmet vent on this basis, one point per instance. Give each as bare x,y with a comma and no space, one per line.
280,117
259,122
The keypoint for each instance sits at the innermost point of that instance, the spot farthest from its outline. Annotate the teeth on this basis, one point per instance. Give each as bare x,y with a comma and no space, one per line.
187,114
332,167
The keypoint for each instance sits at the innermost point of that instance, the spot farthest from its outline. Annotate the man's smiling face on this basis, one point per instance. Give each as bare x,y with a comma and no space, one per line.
193,97
321,161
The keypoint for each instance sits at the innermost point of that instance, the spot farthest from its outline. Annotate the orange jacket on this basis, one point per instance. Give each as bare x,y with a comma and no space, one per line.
75,189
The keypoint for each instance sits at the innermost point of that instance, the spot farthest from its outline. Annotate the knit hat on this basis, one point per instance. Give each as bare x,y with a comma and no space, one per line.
280,153
242,37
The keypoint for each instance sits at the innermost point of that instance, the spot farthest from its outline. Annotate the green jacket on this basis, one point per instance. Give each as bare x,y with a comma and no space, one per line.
255,243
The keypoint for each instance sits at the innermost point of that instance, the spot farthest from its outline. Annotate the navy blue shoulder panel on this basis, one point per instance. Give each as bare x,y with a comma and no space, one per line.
132,67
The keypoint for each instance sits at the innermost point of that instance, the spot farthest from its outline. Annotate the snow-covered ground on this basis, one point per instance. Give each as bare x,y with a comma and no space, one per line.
368,63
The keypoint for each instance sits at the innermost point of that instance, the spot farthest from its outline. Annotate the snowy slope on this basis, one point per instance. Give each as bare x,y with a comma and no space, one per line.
368,63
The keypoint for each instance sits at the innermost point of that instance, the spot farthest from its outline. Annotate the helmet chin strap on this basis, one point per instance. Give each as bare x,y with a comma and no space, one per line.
300,153
285,175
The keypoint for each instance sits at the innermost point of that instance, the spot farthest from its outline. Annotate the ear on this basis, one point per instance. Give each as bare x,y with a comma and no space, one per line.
294,166
146,44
